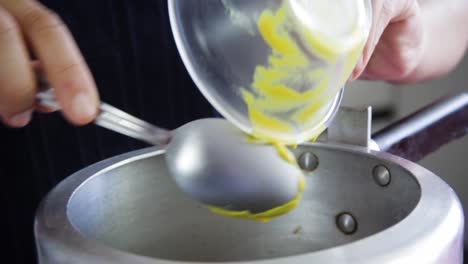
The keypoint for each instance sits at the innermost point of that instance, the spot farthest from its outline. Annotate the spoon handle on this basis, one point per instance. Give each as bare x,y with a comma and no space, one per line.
114,119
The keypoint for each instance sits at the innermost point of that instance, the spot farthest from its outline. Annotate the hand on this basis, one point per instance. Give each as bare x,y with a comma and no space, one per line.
27,24
396,42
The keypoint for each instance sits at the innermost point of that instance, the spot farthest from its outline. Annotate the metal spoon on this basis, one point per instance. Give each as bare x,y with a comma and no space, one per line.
211,160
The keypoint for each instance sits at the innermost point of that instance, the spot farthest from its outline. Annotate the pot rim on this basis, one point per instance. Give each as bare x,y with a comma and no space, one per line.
436,220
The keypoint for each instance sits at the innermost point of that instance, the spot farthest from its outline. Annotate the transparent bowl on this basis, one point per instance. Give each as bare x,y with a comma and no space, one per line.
265,66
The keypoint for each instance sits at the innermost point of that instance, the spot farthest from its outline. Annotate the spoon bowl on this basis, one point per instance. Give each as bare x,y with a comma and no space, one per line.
212,160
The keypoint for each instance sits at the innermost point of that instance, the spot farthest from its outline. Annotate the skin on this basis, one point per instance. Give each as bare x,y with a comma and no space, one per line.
410,41
27,26
414,41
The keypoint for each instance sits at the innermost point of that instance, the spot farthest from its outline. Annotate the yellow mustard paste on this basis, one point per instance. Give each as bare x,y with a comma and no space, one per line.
267,215
290,93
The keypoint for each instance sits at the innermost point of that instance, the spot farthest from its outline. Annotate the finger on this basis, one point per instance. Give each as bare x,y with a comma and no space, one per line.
61,59
385,12
380,19
17,83
39,71
399,51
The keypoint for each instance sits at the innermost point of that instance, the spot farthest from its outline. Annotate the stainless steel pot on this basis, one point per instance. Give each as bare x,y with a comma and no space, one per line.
361,205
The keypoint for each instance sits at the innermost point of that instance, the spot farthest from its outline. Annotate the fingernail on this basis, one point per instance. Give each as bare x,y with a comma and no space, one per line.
360,61
20,120
354,75
351,78
357,68
83,107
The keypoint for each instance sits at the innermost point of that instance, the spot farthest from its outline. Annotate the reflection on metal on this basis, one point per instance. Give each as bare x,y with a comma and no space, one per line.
426,130
346,223
308,161
381,175
351,126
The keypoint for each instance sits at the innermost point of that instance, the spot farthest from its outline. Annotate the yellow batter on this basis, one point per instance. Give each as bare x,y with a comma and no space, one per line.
267,215
291,94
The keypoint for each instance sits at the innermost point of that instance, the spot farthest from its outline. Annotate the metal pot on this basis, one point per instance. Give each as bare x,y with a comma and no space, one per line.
361,205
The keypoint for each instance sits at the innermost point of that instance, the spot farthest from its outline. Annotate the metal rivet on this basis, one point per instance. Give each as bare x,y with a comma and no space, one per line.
346,223
308,161
382,175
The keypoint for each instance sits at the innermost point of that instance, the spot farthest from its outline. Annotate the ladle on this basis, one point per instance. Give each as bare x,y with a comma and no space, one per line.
211,160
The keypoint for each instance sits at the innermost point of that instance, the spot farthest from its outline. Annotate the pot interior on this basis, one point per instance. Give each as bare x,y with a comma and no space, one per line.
136,207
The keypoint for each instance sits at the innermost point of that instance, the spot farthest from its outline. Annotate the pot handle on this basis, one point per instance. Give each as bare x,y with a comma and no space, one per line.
426,130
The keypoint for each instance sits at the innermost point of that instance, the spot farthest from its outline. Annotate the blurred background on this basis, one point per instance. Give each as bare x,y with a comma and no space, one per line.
391,102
